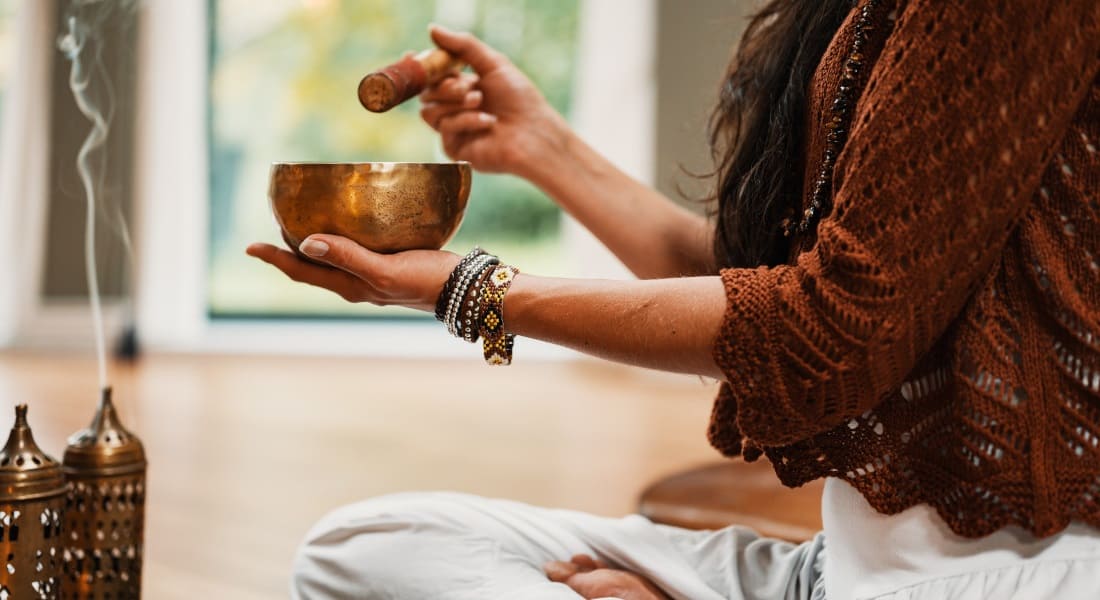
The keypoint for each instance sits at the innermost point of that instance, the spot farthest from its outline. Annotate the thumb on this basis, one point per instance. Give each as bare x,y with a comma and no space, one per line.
342,253
465,46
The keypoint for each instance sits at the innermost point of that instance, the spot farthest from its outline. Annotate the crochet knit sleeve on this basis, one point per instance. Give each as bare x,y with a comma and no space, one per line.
960,116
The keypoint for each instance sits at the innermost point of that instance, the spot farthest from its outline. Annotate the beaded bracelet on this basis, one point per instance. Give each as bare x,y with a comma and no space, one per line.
466,279
462,287
468,321
463,324
496,343
449,286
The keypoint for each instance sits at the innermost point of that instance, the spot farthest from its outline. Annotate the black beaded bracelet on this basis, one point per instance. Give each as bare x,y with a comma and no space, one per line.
448,287
469,316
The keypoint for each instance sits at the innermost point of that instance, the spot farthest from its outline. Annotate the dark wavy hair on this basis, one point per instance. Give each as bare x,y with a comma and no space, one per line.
757,130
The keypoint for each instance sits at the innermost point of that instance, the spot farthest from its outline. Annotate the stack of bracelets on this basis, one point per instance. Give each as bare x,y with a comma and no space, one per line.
471,304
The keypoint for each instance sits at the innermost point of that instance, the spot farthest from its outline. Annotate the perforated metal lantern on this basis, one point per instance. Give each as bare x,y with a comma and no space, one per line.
32,498
105,513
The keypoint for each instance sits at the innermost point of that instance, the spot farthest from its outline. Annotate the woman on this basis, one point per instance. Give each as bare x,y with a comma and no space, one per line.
900,292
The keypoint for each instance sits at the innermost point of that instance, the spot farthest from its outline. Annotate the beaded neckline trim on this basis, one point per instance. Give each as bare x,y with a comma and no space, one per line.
838,125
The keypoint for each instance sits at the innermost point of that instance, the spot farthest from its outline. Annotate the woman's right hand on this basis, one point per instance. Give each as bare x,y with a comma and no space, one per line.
497,120
494,118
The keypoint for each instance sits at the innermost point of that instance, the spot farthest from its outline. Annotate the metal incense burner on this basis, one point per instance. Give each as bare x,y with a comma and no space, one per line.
32,498
105,512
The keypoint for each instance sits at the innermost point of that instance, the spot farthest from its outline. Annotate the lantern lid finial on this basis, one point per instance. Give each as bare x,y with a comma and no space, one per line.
105,446
26,472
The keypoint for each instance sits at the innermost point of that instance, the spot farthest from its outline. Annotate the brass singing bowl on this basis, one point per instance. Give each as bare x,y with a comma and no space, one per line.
385,207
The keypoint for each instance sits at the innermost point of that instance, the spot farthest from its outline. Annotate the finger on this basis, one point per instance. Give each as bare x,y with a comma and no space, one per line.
344,254
584,562
301,271
452,95
433,112
451,89
601,583
460,146
465,123
470,146
454,147
476,53
605,583
592,584
559,570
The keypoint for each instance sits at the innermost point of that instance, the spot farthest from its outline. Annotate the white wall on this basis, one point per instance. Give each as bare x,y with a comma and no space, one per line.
23,168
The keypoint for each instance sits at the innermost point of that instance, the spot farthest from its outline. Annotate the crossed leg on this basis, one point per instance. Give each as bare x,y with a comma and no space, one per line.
456,547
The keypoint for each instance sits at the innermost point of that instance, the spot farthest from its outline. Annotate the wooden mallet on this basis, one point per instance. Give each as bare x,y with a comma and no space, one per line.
384,89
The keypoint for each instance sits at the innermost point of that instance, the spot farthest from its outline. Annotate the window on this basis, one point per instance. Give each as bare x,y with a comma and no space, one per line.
174,298
282,88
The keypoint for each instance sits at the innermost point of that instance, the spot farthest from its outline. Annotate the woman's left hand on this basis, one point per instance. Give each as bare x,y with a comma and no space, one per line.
594,579
413,278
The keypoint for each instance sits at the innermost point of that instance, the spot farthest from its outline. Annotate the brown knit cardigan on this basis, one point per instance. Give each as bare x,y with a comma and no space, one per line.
938,339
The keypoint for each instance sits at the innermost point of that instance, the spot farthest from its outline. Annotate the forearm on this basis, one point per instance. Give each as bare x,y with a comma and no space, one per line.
666,324
653,236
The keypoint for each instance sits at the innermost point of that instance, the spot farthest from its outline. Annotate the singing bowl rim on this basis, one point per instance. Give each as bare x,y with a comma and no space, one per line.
307,163
436,240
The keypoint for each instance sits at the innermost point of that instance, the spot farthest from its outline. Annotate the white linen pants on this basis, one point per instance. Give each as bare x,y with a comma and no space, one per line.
447,546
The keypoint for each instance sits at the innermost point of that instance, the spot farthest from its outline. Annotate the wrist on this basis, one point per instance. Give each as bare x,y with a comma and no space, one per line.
471,304
572,173
548,153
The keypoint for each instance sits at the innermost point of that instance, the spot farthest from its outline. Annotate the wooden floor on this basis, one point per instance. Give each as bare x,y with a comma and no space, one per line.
246,452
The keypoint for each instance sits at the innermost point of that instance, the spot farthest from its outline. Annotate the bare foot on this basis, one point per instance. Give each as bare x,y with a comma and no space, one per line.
592,578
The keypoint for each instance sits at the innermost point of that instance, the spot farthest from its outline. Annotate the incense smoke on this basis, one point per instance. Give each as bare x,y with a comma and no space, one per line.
82,45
